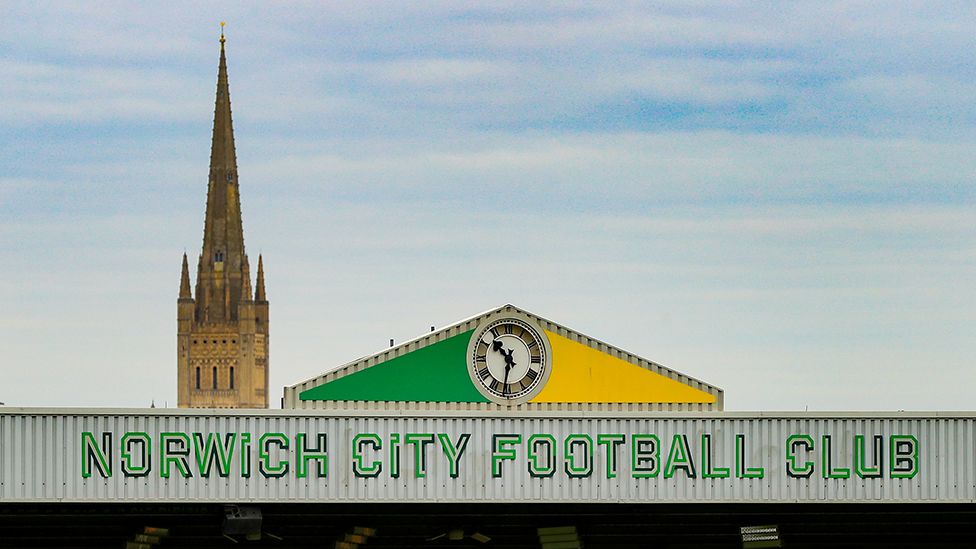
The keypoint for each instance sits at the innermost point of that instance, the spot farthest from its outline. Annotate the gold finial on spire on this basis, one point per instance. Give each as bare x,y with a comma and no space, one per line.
222,23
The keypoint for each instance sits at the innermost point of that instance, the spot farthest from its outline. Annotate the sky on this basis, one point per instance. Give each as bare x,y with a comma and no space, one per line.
776,198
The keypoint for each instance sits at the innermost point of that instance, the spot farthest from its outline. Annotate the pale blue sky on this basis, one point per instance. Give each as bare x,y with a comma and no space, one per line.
774,197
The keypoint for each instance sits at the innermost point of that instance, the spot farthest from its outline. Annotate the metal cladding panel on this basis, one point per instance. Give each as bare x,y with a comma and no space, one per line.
46,455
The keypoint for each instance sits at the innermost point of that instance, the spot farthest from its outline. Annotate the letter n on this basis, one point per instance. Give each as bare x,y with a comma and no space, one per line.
93,454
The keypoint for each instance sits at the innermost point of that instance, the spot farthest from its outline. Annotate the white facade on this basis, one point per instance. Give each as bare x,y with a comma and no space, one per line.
468,456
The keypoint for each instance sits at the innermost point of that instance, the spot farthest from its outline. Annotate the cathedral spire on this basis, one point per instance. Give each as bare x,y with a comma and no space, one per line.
222,154
220,277
185,280
259,294
220,317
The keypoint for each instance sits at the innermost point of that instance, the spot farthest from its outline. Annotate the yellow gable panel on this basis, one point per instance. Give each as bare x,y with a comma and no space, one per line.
583,374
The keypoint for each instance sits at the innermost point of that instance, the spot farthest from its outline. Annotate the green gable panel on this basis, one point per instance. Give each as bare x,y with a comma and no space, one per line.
436,373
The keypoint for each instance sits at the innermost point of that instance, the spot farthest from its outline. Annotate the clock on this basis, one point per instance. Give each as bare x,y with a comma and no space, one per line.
509,359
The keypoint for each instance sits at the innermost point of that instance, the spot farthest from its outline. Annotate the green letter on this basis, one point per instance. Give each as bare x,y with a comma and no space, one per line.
679,457
611,442
358,467
394,455
792,468
741,470
420,442
101,457
454,451
828,470
214,452
904,456
860,465
175,448
573,469
245,455
265,465
708,471
145,453
535,455
318,453
501,451
645,456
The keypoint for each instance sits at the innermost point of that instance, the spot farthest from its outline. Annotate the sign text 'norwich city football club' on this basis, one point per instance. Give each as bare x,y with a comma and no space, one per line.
540,455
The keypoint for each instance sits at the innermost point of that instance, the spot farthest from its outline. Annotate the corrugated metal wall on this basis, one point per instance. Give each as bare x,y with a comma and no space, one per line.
41,457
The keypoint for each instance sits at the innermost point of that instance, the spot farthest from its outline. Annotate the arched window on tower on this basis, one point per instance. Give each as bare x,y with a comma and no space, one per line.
215,377
198,377
231,377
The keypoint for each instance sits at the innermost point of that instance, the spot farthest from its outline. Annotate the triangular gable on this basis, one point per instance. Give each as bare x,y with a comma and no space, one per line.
437,368
581,373
434,373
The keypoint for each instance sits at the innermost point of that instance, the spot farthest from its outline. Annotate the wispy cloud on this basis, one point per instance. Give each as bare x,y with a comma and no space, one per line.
799,67
739,190
637,171
37,94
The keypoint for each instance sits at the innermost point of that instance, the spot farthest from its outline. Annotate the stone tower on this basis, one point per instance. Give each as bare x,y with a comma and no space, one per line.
222,334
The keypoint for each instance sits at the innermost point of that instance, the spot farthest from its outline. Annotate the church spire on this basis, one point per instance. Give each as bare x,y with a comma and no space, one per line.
220,316
222,154
223,263
185,280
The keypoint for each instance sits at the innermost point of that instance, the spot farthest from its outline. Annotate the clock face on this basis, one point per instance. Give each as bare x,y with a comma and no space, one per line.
509,360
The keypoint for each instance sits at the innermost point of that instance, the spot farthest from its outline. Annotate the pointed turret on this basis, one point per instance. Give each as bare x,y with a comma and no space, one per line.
245,280
259,292
185,280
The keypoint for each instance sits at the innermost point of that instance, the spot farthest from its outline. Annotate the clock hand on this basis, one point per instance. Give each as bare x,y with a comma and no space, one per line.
509,364
498,346
509,361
